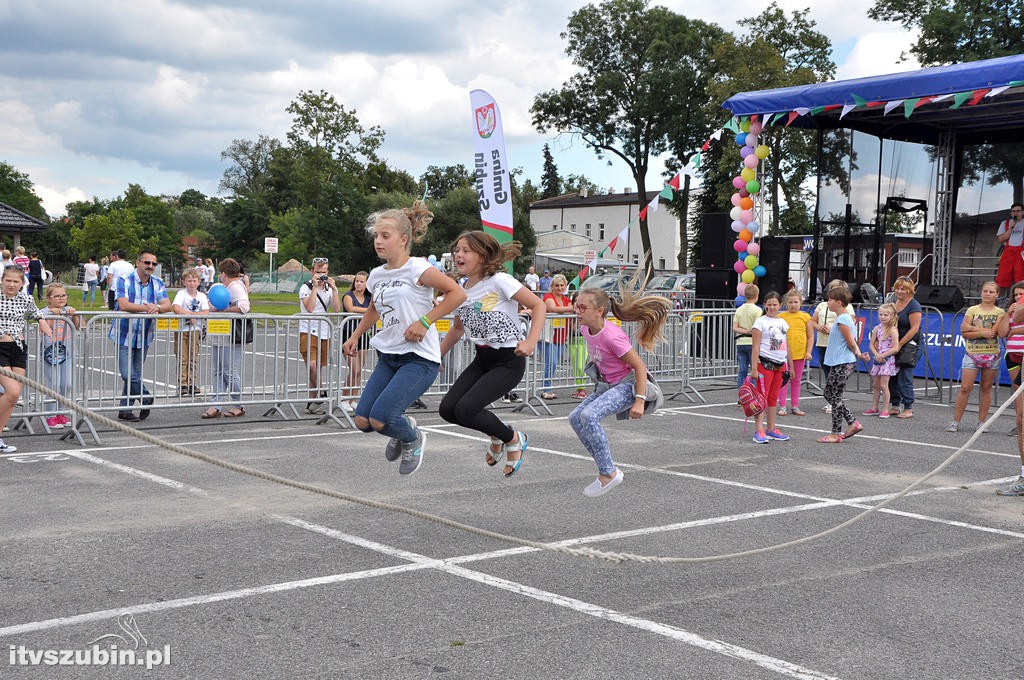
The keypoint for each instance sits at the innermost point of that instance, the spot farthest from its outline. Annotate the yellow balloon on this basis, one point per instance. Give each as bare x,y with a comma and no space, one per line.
762,151
747,276
747,174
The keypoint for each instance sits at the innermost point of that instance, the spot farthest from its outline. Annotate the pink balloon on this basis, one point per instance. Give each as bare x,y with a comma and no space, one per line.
735,198
755,128
751,161
745,217
738,266
739,183
739,246
753,248
741,287
743,192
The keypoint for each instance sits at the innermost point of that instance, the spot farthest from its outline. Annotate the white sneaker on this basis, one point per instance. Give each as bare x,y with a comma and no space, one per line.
346,407
7,448
595,489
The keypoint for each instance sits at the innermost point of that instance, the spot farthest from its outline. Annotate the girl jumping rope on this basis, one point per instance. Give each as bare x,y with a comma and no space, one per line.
408,349
623,375
885,340
490,318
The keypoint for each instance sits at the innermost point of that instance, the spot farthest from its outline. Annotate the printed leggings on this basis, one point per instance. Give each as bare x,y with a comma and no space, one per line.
492,373
834,388
586,421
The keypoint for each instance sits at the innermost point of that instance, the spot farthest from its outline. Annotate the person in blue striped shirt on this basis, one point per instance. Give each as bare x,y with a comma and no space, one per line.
139,293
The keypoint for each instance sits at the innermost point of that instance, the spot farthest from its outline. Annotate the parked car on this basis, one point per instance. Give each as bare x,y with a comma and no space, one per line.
606,282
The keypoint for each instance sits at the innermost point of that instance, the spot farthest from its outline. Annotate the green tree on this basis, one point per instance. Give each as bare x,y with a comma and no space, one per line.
781,50
956,31
550,182
440,181
637,67
17,191
109,231
247,175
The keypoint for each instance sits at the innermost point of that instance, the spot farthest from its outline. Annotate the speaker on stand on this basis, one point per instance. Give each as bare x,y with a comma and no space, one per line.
716,239
716,283
774,257
945,298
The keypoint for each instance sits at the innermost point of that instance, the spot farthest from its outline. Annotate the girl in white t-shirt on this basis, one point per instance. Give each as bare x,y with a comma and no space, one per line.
407,345
770,361
490,319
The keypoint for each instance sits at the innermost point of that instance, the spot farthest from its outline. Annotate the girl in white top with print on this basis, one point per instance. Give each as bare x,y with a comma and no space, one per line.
490,318
407,345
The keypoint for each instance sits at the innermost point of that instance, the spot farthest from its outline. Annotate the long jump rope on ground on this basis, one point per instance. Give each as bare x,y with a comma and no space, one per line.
514,540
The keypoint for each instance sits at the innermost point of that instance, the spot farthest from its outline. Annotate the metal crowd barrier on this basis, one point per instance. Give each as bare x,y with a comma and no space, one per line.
699,349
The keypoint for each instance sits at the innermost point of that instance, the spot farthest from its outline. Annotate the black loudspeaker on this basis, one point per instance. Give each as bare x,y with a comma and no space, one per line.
716,283
945,298
865,293
716,239
774,257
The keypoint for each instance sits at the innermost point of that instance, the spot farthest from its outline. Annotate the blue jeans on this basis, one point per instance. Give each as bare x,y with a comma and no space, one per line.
744,354
227,372
129,366
396,382
58,379
586,421
552,355
90,292
902,389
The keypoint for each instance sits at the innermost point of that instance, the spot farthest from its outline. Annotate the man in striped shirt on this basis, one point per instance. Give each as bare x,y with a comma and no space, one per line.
139,293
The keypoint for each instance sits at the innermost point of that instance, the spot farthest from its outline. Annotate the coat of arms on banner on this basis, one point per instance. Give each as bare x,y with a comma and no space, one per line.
486,120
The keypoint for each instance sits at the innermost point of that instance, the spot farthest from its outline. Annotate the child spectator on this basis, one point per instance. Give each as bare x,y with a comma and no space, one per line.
57,350
189,302
979,333
742,322
771,361
800,338
841,356
885,339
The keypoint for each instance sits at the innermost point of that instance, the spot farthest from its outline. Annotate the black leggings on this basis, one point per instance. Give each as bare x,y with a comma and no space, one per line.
492,373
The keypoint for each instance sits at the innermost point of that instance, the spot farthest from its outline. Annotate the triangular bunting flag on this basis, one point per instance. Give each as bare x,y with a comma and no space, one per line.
696,159
1016,83
909,105
978,95
704,147
859,101
816,110
997,91
643,213
889,106
676,182
922,101
846,109
942,97
792,116
612,244
654,204
667,193
959,98
802,110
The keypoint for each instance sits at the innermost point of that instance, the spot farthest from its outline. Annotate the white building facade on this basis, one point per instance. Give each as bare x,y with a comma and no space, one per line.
569,226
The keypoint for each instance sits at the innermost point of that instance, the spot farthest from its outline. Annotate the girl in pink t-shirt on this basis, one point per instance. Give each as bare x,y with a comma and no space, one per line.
621,369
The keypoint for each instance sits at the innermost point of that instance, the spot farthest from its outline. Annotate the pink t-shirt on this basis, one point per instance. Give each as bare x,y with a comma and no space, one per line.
610,343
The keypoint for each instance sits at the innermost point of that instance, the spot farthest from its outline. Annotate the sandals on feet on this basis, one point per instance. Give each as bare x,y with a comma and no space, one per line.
830,439
234,412
493,456
211,413
511,466
854,429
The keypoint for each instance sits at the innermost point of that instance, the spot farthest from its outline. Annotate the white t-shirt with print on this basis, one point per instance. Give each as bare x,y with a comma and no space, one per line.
400,300
321,329
189,303
489,315
773,338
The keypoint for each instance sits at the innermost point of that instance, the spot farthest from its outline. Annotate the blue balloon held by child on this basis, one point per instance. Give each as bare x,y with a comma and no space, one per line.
220,296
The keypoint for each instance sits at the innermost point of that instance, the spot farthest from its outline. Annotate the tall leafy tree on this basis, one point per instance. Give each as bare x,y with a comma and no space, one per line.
638,67
780,50
956,31
17,191
550,182
247,174
440,181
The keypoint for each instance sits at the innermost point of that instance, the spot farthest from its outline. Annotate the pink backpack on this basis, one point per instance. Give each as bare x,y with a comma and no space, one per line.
751,398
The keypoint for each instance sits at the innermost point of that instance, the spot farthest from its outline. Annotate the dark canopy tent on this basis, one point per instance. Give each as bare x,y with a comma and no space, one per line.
948,106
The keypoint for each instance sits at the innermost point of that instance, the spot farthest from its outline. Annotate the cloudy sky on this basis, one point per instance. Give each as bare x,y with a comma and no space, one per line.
94,95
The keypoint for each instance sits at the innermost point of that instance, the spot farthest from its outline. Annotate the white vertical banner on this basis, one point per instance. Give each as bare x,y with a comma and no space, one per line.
490,167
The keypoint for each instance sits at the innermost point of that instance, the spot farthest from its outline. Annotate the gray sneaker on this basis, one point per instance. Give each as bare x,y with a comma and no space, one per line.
394,447
953,427
1013,432
981,428
412,454
1015,489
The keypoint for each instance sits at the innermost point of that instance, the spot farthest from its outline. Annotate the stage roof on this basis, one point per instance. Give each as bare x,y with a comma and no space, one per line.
997,116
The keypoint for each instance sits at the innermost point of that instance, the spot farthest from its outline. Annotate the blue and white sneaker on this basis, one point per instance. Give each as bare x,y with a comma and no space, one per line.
412,454
777,434
760,437
7,448
393,450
